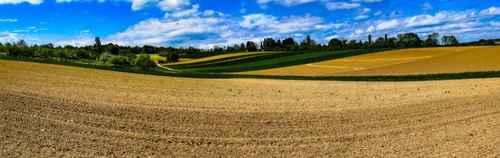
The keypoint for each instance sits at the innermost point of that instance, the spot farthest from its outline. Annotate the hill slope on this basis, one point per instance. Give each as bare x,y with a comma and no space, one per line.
400,62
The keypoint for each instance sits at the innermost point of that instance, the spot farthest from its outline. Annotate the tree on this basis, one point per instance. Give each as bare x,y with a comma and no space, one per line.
98,47
379,43
369,41
269,44
119,61
409,40
251,46
334,43
453,41
243,48
144,62
386,40
308,40
432,40
289,44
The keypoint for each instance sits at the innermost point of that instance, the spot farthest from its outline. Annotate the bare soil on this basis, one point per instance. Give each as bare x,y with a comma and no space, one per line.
51,110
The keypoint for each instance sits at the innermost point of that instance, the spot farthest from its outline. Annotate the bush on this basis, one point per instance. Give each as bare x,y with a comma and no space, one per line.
144,62
118,61
105,57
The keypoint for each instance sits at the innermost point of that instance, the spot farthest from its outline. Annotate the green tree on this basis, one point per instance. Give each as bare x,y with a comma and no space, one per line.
369,41
98,47
243,48
334,43
119,61
251,46
144,62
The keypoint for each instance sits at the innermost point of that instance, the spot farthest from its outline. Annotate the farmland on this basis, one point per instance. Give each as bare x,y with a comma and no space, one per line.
52,110
400,62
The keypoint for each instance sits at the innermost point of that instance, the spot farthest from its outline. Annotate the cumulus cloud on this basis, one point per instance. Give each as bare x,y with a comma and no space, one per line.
360,17
172,5
341,5
359,31
388,25
208,13
367,1
287,3
438,18
76,42
8,20
490,11
370,29
269,23
427,6
185,13
33,2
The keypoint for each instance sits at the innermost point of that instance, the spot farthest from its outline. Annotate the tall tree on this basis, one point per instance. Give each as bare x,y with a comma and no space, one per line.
334,43
243,48
251,46
370,40
98,45
386,41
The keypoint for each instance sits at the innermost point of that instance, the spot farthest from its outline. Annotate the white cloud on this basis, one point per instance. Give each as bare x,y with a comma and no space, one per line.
287,3
171,5
8,20
441,17
388,25
327,26
185,13
427,6
490,11
367,1
76,42
140,4
33,2
341,5
378,13
364,10
208,13
254,20
360,17
496,24
359,31
271,24
370,29
243,11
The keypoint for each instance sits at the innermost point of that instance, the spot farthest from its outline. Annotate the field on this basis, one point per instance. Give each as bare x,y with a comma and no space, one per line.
51,110
240,62
399,62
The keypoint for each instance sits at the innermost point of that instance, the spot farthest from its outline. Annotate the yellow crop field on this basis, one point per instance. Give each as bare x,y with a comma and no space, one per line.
60,111
400,62
213,58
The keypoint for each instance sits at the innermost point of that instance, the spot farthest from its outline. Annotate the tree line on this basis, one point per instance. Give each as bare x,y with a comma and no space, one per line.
126,56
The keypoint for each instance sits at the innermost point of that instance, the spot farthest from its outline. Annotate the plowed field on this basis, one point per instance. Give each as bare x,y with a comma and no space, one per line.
51,110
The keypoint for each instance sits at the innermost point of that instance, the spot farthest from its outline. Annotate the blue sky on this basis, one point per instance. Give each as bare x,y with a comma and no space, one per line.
204,23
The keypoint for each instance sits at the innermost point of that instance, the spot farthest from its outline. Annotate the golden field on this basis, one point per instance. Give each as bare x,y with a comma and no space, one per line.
190,61
400,62
50,110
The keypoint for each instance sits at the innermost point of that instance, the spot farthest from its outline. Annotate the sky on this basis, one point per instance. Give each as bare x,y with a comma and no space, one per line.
205,23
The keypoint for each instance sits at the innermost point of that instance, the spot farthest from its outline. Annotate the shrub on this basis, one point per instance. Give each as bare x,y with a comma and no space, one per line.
144,62
105,57
118,61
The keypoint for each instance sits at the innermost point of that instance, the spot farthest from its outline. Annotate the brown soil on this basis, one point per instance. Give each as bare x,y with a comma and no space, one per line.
50,110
